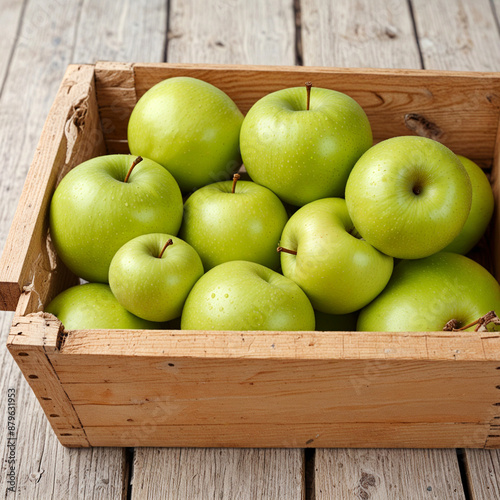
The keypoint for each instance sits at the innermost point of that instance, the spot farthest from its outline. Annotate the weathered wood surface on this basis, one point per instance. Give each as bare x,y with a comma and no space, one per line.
226,474
373,34
379,474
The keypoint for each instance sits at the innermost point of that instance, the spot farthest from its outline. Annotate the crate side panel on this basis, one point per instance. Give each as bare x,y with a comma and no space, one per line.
116,97
457,108
71,135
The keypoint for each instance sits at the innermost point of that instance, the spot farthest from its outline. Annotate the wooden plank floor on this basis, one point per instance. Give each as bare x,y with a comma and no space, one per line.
40,37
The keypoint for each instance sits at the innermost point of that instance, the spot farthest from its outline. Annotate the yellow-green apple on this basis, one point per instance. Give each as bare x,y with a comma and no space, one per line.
425,294
234,221
322,252
105,202
152,275
240,295
93,306
302,143
481,209
409,196
191,128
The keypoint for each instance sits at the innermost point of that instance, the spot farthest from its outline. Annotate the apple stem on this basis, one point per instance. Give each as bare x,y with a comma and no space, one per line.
136,161
285,250
167,244
235,180
481,323
308,88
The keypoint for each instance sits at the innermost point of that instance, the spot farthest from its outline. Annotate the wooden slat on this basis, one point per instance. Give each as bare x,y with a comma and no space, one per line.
129,30
460,35
483,472
237,32
366,33
466,119
226,474
387,474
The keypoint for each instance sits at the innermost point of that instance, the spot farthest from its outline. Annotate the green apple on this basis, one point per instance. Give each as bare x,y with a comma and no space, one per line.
304,152
240,295
234,221
152,275
423,295
409,196
191,128
93,306
336,322
322,253
480,212
103,203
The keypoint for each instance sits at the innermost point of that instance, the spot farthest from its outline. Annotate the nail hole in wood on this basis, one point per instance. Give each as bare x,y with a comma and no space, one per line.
171,364
496,404
22,354
32,376
129,420
498,386
47,399
53,415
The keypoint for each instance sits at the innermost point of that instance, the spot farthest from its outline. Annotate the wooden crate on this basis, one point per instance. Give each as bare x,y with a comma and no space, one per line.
250,389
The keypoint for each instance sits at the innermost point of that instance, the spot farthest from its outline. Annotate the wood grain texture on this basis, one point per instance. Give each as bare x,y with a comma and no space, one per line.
465,120
387,474
128,30
12,11
459,35
202,389
483,473
235,32
226,474
366,33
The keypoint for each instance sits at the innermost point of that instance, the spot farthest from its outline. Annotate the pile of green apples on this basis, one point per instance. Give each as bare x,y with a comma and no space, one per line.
321,230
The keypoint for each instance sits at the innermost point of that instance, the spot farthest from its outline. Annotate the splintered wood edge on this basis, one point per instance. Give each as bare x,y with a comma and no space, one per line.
32,338
64,143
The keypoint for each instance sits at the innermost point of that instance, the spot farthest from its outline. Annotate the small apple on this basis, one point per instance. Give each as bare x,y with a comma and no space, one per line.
240,295
322,252
302,143
105,202
423,295
480,212
408,196
93,306
234,221
336,322
191,128
152,275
